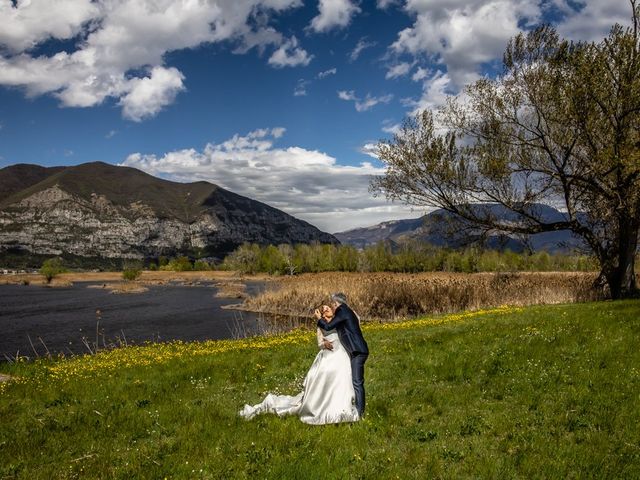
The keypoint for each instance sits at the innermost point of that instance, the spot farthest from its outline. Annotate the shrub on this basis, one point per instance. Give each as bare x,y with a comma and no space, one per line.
51,268
180,264
200,265
131,271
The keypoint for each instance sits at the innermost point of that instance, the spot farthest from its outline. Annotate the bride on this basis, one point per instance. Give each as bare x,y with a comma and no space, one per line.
327,395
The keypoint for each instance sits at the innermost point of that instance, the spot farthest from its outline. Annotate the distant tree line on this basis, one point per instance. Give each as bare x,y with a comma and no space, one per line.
407,258
410,257
181,264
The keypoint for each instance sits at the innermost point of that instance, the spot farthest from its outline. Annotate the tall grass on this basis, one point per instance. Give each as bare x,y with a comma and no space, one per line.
393,295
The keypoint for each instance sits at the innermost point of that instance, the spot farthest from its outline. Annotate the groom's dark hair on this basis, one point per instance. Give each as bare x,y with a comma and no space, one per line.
339,297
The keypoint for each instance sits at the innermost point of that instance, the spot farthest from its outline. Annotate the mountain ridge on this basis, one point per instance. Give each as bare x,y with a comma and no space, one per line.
441,228
99,209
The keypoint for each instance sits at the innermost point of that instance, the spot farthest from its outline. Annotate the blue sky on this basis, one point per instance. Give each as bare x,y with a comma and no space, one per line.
278,100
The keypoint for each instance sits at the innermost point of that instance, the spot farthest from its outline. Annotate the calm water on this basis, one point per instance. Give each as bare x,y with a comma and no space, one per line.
61,317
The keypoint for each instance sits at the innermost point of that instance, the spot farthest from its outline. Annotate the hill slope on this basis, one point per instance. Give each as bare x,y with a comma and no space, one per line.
101,210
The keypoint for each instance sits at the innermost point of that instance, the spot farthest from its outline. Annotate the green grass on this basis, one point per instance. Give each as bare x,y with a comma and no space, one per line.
541,392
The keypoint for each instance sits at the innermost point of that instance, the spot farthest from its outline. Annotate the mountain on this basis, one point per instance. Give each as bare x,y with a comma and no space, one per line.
15,178
443,229
101,210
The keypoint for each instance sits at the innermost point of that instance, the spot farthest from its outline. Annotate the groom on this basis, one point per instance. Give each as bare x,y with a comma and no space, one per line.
346,322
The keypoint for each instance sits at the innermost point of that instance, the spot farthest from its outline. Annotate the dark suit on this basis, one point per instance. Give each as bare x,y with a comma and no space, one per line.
347,325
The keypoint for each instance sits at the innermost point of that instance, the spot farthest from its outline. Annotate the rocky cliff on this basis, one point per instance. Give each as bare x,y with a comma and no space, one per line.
101,210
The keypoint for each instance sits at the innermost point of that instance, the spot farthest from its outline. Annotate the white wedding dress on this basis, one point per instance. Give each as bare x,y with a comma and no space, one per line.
327,395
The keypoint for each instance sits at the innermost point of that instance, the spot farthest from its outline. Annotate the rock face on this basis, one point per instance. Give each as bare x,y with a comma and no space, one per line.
101,210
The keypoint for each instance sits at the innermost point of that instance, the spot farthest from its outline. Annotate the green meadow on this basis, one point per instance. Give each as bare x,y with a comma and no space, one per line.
536,392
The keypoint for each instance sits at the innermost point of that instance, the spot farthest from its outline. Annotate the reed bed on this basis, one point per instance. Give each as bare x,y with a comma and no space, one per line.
392,296
231,289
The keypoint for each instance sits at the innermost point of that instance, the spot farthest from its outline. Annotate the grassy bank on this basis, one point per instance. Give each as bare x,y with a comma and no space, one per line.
399,295
539,392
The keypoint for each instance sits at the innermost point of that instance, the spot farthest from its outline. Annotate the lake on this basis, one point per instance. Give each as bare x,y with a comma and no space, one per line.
60,317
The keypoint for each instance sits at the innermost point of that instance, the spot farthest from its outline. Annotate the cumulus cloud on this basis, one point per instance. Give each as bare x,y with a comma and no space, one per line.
120,46
147,96
308,184
290,55
592,20
463,34
363,104
360,46
333,14
28,23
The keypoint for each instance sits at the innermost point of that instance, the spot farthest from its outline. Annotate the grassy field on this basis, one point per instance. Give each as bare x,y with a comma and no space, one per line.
535,392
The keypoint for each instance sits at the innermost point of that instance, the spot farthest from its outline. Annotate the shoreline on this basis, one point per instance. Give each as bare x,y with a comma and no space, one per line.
147,275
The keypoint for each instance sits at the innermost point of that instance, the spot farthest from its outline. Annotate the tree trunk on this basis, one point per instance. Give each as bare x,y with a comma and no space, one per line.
621,276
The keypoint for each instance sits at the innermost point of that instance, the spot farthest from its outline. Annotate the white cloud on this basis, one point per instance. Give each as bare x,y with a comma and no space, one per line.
290,55
121,43
360,46
370,149
463,34
111,134
391,127
278,132
420,74
308,184
363,104
593,19
333,14
148,95
399,70
326,73
301,88
435,91
383,4
30,22
344,95
369,102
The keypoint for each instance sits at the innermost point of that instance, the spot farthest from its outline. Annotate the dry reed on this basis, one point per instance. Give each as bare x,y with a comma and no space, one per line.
231,290
390,296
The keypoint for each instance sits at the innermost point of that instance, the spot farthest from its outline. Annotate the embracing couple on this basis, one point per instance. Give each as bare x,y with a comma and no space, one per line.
333,389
